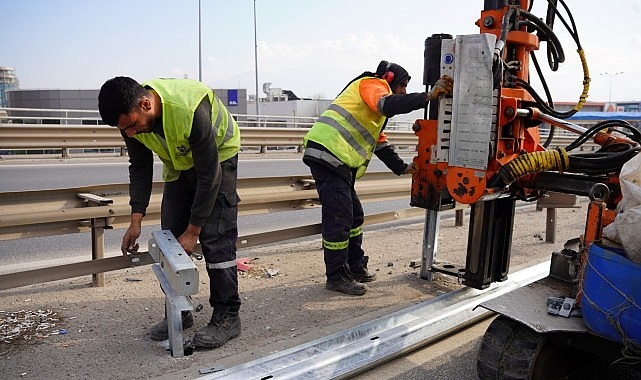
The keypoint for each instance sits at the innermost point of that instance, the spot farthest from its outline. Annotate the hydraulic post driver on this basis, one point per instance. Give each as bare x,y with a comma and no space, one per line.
482,146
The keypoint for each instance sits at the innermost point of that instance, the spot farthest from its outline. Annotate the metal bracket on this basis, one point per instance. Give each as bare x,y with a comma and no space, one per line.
551,201
560,306
178,277
98,227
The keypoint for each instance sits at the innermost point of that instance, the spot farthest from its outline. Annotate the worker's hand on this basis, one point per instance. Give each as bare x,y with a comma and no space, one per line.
189,238
129,244
443,86
410,169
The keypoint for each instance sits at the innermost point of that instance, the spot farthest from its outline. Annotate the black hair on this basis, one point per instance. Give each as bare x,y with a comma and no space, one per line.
118,96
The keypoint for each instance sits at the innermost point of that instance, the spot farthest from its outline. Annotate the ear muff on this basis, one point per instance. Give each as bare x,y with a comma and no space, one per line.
388,75
383,71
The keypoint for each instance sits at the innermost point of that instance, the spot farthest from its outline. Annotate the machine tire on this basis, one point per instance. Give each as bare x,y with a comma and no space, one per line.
511,350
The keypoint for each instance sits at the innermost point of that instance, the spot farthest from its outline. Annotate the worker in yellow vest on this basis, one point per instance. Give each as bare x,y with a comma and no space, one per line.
339,147
197,139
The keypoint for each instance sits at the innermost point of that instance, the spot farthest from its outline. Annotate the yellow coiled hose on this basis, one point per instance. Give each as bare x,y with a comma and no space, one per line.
551,160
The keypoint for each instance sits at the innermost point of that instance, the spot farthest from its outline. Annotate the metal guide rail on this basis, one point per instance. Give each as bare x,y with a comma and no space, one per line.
39,136
61,211
96,208
373,343
178,278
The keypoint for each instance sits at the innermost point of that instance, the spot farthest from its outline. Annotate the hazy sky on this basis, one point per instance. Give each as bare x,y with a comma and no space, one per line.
310,47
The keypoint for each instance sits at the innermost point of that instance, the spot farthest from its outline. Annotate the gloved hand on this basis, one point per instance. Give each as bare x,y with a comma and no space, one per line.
443,86
411,168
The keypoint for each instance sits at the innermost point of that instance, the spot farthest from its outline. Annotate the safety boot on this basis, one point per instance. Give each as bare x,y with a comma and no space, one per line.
346,284
362,274
218,331
160,331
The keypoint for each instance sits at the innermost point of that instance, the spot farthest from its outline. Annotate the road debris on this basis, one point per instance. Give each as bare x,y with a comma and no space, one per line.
270,273
28,325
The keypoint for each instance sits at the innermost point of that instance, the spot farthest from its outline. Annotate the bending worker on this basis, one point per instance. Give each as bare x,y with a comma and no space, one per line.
197,139
338,149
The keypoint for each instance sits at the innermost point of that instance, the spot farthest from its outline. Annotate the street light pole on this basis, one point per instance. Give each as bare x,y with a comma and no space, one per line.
256,62
200,53
610,76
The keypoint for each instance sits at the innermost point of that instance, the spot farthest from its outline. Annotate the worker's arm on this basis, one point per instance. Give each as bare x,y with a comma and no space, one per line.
141,171
376,94
202,142
378,98
386,153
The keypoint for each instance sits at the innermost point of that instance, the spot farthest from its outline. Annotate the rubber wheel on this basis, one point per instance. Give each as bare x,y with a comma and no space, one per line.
511,350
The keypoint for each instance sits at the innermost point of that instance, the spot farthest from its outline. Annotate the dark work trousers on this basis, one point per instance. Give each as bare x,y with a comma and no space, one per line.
341,212
217,236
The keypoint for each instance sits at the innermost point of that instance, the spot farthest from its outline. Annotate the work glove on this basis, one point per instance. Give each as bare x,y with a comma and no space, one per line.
411,168
443,86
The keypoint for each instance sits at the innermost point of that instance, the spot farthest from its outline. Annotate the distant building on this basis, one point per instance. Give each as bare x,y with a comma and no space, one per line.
78,100
8,81
628,106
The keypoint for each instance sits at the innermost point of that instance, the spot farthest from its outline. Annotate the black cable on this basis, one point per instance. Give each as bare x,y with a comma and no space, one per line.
548,140
634,135
497,66
539,25
542,104
602,162
555,55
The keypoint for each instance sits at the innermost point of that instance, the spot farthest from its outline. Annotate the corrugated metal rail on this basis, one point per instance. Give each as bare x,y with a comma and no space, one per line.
355,350
25,214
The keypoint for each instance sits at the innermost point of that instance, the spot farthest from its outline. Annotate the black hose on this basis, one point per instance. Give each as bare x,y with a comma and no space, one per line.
602,162
555,56
633,134
547,31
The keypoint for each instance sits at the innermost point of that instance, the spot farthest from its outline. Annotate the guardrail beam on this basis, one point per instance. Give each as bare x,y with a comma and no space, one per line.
178,278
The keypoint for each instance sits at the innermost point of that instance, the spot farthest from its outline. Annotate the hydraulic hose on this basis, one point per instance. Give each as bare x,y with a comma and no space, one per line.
535,162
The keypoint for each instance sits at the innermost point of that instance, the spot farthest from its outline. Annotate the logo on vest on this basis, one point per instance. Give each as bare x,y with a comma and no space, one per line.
182,150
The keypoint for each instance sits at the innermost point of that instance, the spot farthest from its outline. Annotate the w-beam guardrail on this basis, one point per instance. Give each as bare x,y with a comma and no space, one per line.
25,214
33,131
65,137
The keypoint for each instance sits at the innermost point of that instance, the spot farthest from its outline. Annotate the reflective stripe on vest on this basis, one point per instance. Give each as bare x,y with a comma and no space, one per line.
180,98
348,128
323,155
229,132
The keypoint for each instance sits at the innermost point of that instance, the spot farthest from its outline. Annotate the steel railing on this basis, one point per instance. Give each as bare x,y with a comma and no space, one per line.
93,209
71,132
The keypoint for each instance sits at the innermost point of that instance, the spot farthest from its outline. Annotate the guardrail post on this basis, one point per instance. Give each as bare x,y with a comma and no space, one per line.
98,226
430,243
178,277
551,201
459,217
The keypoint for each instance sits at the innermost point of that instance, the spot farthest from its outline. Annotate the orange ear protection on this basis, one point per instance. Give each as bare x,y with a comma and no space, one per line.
388,75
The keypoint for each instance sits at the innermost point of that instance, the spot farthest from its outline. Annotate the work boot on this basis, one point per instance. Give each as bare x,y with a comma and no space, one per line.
346,284
218,331
362,275
160,331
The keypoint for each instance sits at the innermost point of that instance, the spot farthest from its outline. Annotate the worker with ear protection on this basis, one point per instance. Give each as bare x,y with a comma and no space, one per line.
339,147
